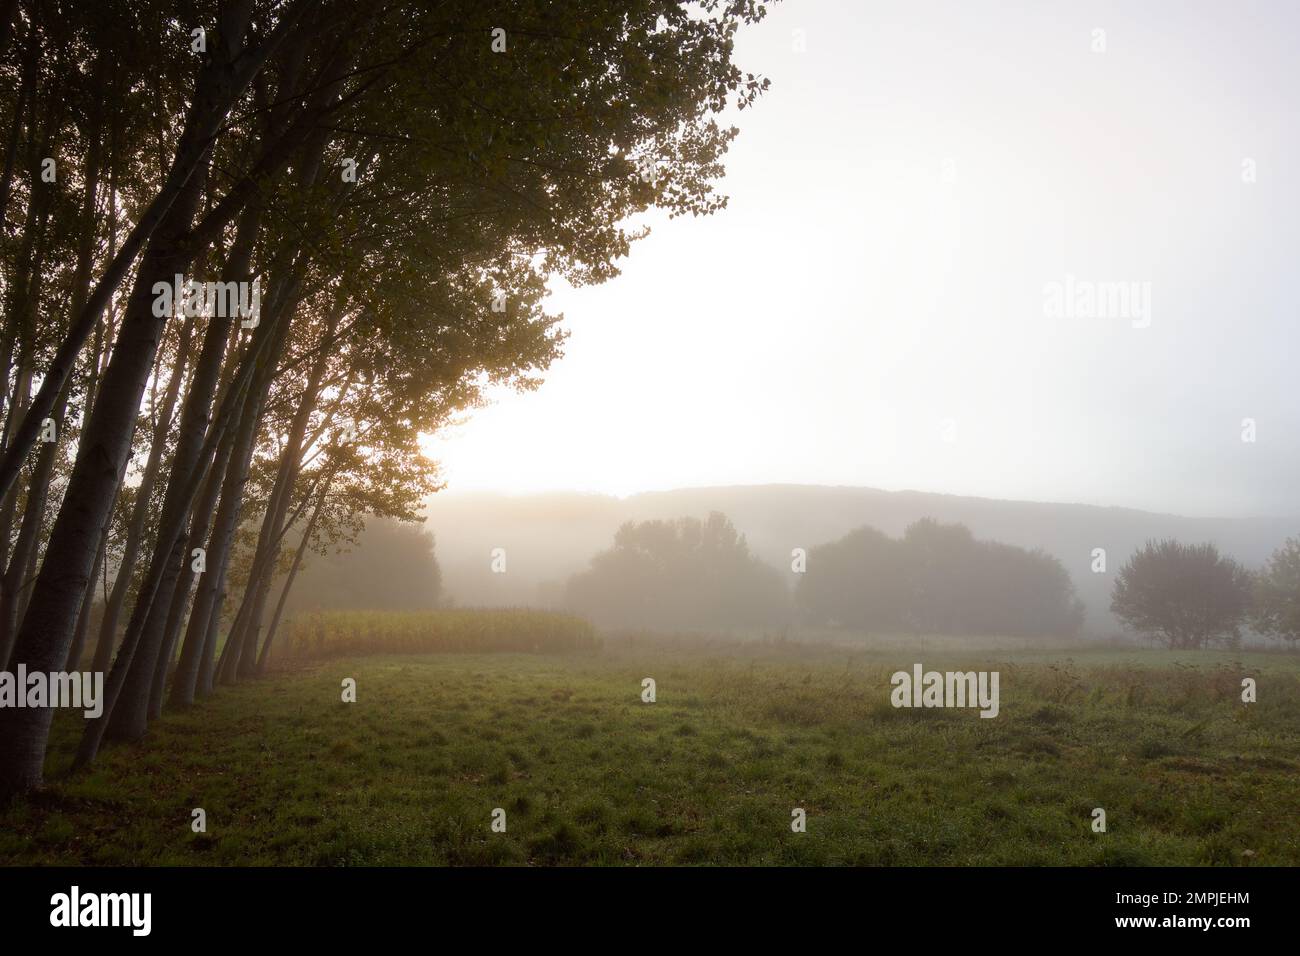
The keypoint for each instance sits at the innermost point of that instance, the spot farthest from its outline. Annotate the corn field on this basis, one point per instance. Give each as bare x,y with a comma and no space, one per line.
520,630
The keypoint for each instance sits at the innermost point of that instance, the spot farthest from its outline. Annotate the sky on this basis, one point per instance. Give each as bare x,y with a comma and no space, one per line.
933,213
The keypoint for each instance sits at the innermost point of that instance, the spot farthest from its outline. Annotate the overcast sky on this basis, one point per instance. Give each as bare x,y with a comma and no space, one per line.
897,296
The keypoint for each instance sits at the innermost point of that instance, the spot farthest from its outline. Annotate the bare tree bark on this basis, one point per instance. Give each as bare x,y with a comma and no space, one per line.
196,543
27,543
172,529
131,714
194,672
268,546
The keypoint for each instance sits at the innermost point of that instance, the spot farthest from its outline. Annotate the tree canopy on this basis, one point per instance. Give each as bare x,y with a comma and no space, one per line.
938,578
1276,607
1183,595
683,574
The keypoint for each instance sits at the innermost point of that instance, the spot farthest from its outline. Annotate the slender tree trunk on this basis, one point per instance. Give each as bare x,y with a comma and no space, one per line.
98,356
78,647
170,534
198,537
281,495
207,667
196,651
131,713
26,546
23,560
238,642
140,511
9,506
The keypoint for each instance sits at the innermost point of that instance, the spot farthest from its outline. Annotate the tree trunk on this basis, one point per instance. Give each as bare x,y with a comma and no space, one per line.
268,546
46,634
140,511
170,535
16,576
131,712
78,648
238,642
196,651
198,537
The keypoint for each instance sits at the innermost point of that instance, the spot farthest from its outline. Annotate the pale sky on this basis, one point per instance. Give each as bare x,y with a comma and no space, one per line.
871,308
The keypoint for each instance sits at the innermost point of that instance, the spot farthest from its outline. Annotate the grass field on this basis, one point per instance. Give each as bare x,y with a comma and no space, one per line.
739,736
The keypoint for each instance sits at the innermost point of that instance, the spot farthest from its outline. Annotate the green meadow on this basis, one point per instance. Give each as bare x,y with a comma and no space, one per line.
740,735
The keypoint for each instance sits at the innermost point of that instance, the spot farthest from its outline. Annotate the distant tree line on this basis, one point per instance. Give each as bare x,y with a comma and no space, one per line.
937,578
698,574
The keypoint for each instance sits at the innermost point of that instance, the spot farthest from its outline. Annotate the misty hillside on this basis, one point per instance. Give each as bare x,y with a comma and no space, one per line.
547,537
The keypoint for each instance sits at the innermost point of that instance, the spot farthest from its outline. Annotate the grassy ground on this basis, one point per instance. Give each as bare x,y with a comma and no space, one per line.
739,736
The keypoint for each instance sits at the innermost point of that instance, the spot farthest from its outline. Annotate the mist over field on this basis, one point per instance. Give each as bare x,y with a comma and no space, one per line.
551,536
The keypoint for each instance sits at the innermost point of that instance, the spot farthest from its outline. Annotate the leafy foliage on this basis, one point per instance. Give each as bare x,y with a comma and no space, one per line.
937,579
1184,596
685,573
1276,609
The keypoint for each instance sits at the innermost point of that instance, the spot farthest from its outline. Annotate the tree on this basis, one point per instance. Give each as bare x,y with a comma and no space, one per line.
678,574
858,581
391,566
1276,608
938,578
1184,596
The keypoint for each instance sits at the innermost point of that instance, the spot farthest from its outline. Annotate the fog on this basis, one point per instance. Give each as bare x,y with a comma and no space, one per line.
875,307
549,537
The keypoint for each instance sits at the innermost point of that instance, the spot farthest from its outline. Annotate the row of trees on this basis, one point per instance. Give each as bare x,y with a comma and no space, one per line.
398,179
937,578
1189,596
